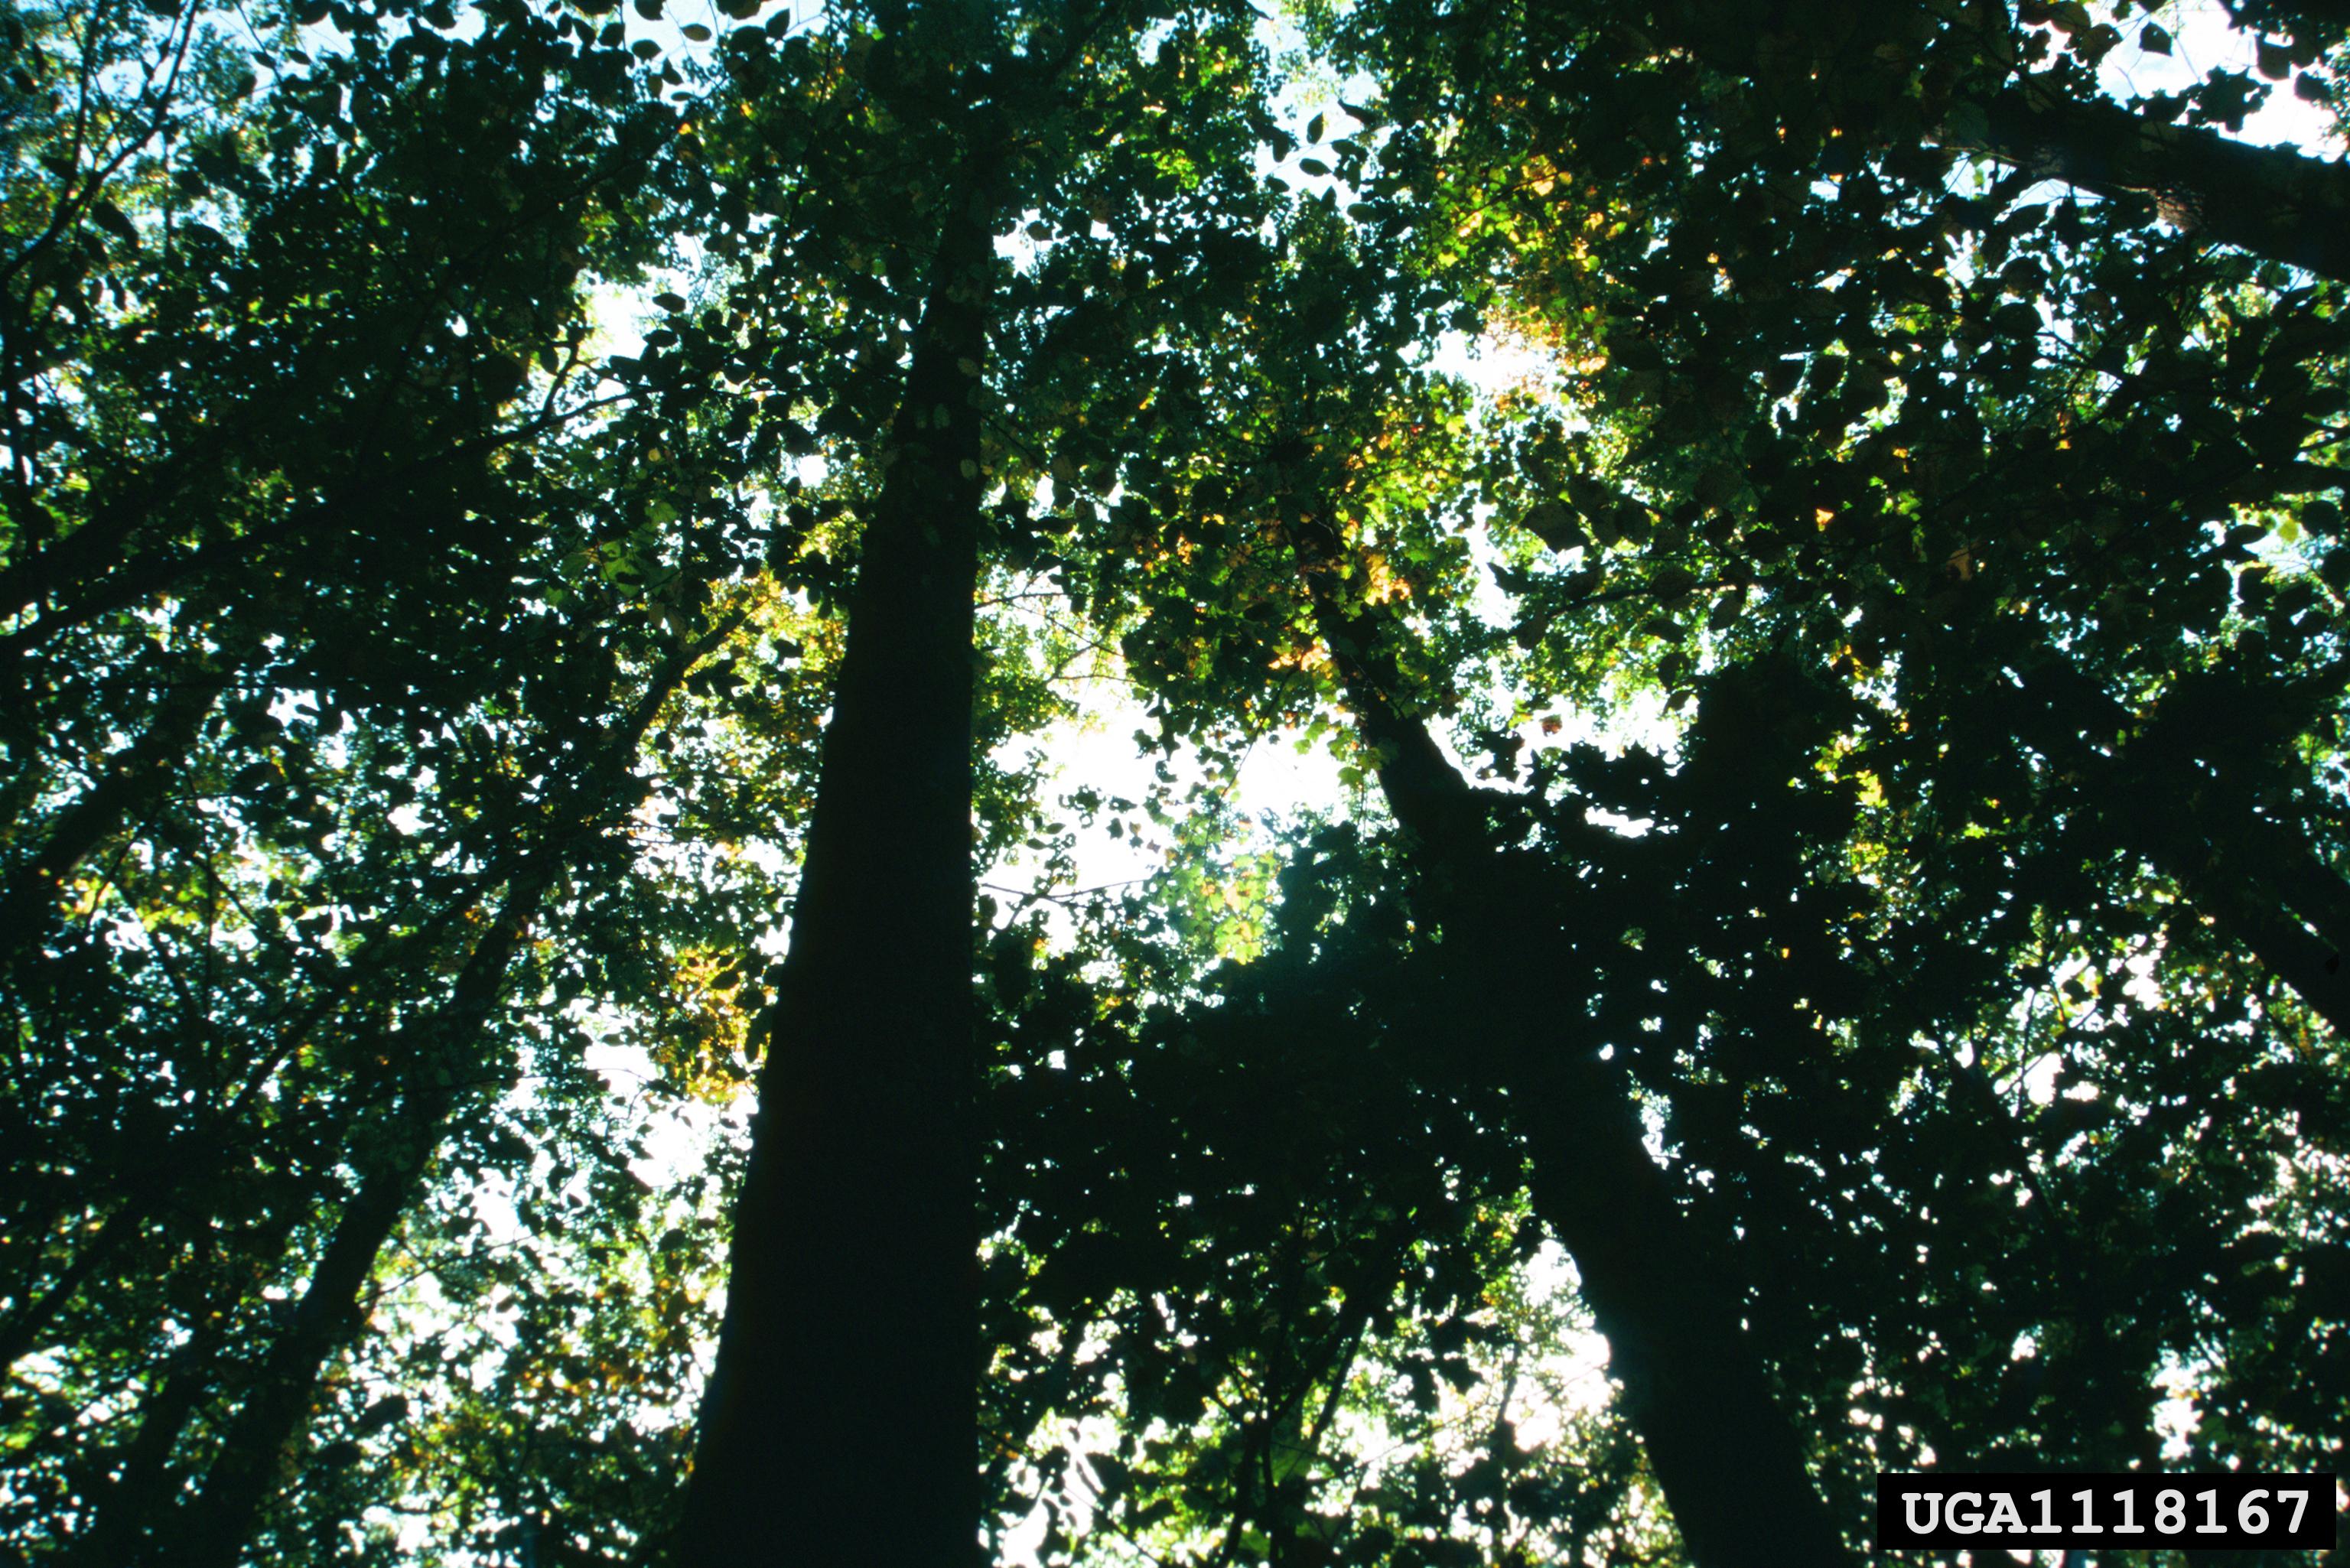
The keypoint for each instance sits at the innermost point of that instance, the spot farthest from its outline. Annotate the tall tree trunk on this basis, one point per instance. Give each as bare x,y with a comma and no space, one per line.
2274,202
839,1425
2183,794
93,548
193,1157
134,777
2267,887
31,1313
2248,913
440,1060
2314,891
139,1491
211,1530
1730,1461
29,909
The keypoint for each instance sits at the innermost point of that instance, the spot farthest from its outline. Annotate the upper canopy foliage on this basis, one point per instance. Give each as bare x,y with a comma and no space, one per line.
1836,874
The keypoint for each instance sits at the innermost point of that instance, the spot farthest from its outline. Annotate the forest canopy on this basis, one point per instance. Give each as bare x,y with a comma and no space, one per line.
640,920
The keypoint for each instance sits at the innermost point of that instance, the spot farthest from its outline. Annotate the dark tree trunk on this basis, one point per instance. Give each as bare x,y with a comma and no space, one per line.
2312,890
2310,965
21,1330
442,1061
193,1156
2248,913
211,1530
30,895
2274,202
140,1490
1730,1461
2184,794
2269,890
94,548
137,774
839,1425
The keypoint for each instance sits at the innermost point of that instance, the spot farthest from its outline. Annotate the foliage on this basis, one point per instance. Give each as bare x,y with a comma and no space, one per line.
1859,724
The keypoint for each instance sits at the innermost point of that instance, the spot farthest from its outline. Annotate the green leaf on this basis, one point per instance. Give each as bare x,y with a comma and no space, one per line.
1966,124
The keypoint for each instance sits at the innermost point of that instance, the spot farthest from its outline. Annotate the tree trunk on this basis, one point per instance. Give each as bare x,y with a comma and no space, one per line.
138,774
839,1425
29,909
2274,202
2270,891
2312,890
139,1492
2184,794
193,1156
2314,965
1731,1463
213,1530
31,1314
440,1061
31,576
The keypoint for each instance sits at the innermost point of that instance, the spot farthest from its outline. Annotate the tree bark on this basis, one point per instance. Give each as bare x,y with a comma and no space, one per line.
2274,931
29,896
440,1060
2274,202
138,774
139,1491
2183,793
212,1529
2314,967
193,1156
839,1424
31,1314
1730,1461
